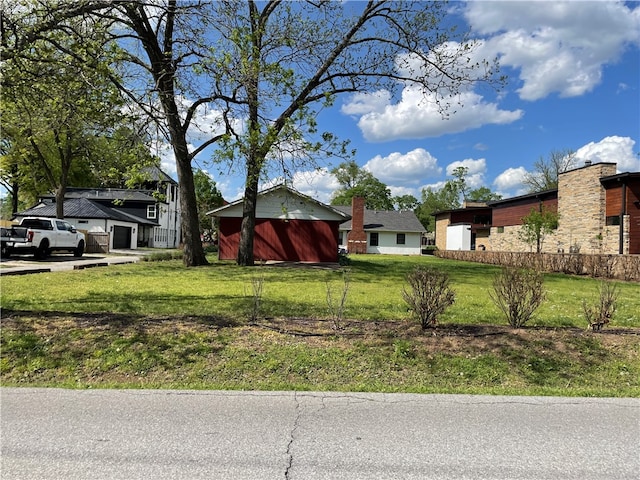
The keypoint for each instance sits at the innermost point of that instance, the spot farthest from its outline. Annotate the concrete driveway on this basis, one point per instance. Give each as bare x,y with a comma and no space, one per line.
26,264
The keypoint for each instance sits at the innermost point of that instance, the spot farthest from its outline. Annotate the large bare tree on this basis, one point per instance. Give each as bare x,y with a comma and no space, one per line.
545,170
274,65
158,46
277,64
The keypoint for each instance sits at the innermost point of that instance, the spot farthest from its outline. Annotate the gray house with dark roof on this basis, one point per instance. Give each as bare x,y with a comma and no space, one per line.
380,231
131,218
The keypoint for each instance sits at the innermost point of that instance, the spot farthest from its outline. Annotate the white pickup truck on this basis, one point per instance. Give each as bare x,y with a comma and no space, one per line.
41,236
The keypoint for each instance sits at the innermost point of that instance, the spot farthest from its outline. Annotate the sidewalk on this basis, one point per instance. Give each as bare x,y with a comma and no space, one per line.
24,265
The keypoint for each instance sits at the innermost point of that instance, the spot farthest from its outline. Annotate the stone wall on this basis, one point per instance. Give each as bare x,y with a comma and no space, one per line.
507,239
442,222
581,206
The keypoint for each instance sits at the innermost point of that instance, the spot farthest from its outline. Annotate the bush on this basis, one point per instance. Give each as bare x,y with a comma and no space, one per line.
343,259
336,306
430,294
601,313
518,292
162,256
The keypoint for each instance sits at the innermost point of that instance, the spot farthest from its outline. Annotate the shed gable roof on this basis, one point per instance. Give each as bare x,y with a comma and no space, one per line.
283,202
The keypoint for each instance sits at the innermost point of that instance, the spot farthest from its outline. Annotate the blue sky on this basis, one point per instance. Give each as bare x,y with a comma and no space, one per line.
574,83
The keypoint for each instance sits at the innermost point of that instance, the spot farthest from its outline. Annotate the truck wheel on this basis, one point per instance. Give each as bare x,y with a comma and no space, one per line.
79,249
42,252
6,251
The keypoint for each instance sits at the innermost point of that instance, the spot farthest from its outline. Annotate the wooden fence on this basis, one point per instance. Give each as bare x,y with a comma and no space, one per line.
622,267
97,242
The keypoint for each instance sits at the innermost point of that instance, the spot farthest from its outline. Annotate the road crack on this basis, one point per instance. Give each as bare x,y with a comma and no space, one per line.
292,436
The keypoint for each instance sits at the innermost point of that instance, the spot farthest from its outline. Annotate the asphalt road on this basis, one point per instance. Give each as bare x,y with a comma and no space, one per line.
144,434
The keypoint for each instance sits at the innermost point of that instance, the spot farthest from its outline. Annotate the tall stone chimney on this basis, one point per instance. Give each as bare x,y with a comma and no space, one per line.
357,237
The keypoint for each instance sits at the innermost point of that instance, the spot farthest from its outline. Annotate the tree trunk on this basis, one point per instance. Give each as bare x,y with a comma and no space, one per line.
60,193
15,190
193,254
245,248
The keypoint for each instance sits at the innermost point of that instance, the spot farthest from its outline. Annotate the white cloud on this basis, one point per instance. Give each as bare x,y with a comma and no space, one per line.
363,103
475,171
557,46
401,191
611,149
318,184
408,168
417,115
164,151
510,180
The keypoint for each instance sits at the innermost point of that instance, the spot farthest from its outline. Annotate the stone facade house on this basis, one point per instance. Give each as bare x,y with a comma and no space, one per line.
598,209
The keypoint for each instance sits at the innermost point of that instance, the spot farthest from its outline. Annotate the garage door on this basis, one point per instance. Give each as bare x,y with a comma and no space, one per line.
121,237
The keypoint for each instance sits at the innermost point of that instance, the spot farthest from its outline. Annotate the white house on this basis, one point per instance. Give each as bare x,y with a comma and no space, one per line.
380,231
132,218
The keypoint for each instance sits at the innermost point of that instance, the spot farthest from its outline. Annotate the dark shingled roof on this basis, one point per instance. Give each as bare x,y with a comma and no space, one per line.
83,208
107,194
385,220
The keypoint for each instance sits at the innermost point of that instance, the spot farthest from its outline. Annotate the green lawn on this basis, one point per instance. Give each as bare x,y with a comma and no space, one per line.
161,325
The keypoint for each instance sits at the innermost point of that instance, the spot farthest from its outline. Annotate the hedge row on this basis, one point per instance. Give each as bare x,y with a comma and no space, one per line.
622,267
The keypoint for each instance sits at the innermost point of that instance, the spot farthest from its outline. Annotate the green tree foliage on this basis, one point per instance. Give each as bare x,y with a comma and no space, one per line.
62,123
450,197
268,68
405,202
546,170
357,182
483,194
437,200
280,63
159,53
459,182
537,225
208,197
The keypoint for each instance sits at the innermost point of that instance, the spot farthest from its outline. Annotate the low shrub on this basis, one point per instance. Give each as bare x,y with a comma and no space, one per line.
518,292
430,294
336,305
601,313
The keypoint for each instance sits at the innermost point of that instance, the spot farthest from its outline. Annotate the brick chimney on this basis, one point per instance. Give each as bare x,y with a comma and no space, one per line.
357,238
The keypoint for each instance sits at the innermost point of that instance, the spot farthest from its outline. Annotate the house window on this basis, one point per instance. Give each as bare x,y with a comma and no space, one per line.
613,220
500,229
400,238
340,238
373,239
482,219
152,211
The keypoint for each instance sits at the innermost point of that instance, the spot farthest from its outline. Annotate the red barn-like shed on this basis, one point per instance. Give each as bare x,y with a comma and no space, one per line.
290,226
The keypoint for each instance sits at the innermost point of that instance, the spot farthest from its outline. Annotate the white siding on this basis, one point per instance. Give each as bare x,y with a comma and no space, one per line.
167,235
387,244
104,225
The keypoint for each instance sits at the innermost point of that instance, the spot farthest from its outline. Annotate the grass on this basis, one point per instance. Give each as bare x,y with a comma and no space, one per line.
161,325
